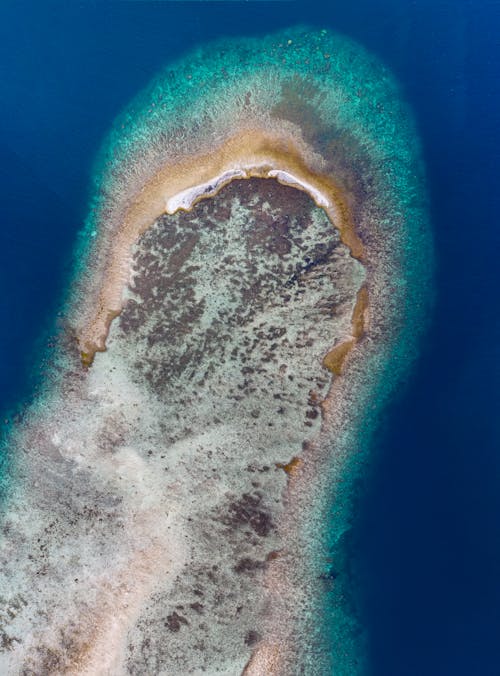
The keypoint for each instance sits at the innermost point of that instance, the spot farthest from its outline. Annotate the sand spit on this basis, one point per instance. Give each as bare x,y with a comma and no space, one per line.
182,489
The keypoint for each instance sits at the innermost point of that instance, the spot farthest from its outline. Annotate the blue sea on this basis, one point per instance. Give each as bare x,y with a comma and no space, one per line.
424,548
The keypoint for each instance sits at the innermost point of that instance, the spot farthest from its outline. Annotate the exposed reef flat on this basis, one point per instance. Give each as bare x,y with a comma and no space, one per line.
170,505
181,183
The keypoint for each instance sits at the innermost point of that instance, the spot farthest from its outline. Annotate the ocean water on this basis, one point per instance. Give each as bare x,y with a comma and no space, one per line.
424,547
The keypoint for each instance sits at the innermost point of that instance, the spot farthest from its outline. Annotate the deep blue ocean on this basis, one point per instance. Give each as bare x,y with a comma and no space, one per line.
425,544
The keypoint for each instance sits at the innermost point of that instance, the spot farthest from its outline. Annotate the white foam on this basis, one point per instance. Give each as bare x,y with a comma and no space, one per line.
186,198
289,179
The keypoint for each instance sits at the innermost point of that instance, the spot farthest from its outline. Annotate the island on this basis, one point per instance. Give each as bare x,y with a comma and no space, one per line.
248,292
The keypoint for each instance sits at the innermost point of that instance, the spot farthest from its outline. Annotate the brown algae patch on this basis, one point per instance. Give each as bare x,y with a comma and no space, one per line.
360,312
87,357
290,467
335,359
